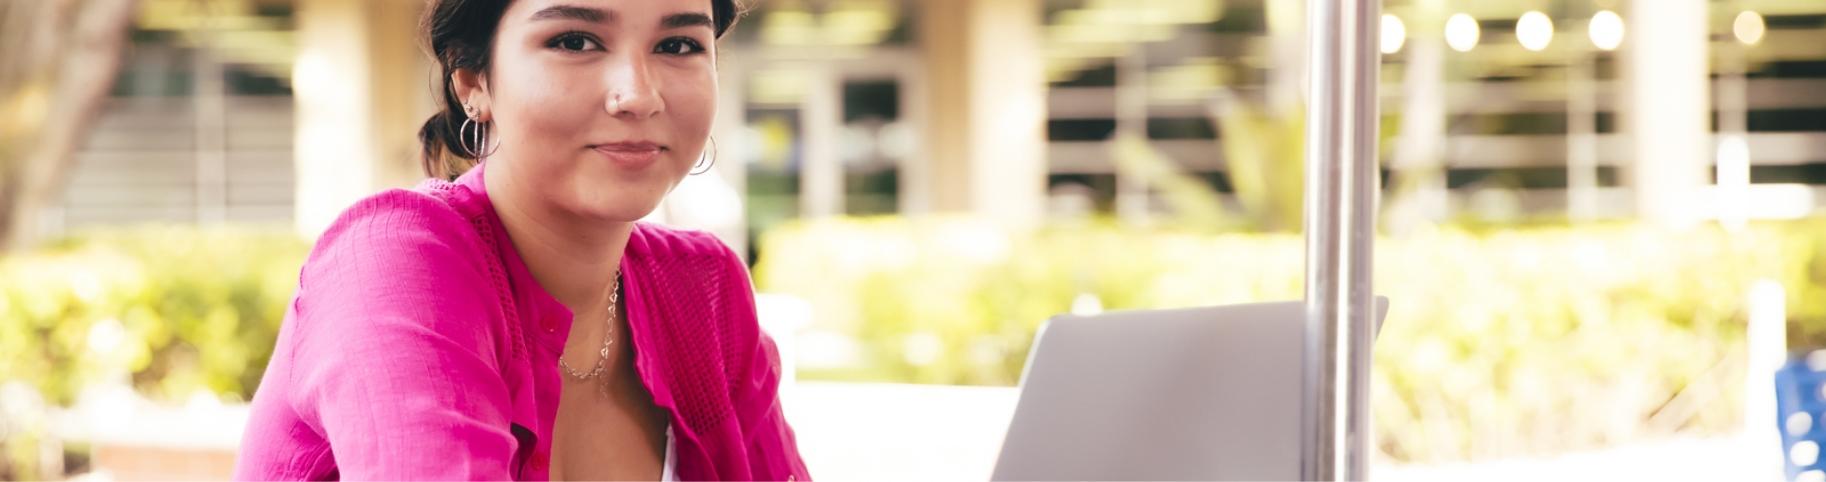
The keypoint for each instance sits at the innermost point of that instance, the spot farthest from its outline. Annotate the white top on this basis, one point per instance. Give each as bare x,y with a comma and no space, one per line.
667,474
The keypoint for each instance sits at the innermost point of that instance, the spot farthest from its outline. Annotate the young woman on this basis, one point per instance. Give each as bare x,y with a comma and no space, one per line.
509,318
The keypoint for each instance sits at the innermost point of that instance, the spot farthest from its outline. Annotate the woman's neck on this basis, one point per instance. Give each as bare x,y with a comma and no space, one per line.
573,259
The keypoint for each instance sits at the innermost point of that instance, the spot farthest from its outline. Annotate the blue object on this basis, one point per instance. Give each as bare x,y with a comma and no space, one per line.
1800,401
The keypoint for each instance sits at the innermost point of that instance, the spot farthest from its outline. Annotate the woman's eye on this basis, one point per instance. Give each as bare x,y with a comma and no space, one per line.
678,46
573,42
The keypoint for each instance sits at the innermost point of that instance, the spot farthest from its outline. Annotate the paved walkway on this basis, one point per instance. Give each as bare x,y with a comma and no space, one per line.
887,432
894,432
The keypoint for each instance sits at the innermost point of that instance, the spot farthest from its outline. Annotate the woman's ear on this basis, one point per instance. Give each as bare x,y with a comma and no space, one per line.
472,91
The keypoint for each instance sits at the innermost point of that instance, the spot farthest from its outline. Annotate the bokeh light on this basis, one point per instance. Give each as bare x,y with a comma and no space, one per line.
1394,34
1462,32
1606,30
1534,31
1749,27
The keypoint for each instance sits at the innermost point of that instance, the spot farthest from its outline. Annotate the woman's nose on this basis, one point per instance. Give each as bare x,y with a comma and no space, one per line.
632,92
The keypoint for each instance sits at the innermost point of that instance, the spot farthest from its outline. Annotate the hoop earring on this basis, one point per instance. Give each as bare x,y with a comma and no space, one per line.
703,167
465,139
482,142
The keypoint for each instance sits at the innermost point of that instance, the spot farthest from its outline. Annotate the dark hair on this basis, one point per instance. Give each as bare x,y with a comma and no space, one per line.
459,34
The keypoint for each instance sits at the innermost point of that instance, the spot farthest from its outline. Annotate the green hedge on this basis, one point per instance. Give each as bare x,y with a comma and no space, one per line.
1507,342
197,309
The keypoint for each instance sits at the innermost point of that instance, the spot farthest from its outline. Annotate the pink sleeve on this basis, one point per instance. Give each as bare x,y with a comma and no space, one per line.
396,361
773,448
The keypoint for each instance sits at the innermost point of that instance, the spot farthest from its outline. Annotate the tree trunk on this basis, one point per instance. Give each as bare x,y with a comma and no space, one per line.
62,59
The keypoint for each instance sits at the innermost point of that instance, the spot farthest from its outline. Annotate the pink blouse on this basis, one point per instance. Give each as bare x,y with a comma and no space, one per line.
419,346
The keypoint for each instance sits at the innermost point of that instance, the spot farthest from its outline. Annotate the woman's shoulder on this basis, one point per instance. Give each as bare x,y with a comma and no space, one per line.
692,264
401,241
400,266
690,257
689,253
408,224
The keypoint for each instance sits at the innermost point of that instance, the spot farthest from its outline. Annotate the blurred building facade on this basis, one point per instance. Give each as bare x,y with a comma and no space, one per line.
286,111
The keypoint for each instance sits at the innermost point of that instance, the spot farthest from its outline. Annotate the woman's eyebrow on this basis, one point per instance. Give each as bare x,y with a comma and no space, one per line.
573,12
682,20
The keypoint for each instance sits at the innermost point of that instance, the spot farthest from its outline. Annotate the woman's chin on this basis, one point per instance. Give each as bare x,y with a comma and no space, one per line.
613,198
624,209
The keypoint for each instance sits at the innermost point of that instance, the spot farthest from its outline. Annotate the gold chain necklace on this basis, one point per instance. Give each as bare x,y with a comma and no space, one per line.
608,339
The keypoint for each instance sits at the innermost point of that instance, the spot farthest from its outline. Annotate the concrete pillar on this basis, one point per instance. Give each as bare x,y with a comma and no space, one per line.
209,99
985,108
1665,90
362,88
820,126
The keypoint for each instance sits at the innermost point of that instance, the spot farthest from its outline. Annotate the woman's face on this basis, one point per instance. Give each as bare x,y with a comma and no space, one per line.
600,107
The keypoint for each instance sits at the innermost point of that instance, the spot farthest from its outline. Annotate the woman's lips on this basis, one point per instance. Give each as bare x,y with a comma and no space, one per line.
631,155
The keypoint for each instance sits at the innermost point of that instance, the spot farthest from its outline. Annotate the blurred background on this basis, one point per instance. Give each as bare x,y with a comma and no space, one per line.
1601,221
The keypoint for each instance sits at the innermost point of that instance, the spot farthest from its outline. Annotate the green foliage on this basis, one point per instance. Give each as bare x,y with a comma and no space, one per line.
197,309
1188,198
1499,341
1511,342
1265,155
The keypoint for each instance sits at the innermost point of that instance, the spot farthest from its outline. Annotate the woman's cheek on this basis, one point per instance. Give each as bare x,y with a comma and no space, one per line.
696,107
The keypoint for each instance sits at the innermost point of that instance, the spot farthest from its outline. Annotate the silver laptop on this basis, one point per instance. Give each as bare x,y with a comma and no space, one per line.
1190,394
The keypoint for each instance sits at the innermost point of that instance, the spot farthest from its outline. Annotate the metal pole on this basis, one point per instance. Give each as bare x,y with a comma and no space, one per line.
1341,196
